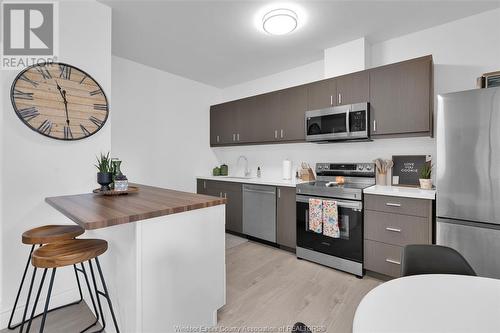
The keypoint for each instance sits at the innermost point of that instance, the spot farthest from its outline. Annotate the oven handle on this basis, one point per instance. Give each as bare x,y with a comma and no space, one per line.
340,203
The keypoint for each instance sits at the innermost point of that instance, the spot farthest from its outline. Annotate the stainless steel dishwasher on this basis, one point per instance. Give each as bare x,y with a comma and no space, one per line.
259,211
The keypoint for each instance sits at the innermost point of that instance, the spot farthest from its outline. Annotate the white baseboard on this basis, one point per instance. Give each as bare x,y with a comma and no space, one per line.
56,300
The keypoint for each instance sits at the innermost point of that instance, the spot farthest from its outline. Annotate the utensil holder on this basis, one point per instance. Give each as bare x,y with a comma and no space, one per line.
381,178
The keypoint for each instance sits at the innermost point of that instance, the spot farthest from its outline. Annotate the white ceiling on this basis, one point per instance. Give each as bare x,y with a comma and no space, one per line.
216,42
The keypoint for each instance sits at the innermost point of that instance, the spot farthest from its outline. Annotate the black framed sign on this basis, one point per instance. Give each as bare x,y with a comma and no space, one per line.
406,169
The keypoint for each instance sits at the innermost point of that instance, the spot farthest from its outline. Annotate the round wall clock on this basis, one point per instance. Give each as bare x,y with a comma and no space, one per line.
59,101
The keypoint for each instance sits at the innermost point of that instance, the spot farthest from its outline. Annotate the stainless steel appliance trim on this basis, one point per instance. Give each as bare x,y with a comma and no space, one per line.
347,122
328,111
340,203
258,191
345,265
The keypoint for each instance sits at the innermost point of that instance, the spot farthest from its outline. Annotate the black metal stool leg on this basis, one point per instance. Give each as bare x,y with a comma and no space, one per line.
42,325
32,316
28,299
91,298
12,327
9,326
98,299
106,294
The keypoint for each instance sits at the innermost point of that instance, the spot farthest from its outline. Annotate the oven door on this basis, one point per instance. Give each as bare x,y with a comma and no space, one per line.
328,124
350,244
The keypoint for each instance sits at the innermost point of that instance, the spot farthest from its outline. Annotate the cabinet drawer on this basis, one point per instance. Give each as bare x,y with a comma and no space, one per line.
396,229
383,258
398,205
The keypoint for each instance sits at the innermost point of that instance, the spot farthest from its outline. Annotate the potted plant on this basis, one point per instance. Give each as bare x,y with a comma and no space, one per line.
105,174
425,176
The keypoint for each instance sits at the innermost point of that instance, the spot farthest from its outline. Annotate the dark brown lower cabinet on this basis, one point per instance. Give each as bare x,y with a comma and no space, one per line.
232,192
285,219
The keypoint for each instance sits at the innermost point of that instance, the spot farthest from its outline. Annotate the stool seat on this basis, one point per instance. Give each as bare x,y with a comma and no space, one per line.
68,252
51,233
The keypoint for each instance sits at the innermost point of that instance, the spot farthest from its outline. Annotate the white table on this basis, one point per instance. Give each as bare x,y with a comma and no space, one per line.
431,303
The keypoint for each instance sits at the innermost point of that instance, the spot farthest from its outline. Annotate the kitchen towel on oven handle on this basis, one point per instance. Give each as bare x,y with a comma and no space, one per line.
330,219
316,215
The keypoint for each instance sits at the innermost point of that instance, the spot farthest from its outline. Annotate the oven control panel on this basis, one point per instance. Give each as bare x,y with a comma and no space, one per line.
345,168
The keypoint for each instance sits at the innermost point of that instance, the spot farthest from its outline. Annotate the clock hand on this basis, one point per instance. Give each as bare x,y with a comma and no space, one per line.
65,105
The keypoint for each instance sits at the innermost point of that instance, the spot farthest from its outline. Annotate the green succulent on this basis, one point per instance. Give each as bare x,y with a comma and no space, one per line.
104,164
426,171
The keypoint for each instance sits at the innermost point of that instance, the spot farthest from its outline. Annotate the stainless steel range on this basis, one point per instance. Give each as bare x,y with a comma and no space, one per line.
343,183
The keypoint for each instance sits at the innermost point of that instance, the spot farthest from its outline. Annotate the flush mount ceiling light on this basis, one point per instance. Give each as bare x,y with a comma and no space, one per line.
279,21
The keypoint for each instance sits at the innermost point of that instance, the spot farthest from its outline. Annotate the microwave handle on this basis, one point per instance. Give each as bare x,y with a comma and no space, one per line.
347,122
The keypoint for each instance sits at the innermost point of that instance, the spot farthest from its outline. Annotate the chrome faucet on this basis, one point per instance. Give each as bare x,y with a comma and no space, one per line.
247,170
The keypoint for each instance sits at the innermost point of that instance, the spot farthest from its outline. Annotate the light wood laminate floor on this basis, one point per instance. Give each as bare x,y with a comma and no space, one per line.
266,287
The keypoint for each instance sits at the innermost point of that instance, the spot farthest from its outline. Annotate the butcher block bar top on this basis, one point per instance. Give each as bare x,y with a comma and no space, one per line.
93,211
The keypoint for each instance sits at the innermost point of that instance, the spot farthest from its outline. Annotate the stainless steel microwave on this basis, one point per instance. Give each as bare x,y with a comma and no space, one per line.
345,122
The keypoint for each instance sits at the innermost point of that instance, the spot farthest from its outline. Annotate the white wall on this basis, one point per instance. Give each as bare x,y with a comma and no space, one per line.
34,167
462,50
161,131
346,58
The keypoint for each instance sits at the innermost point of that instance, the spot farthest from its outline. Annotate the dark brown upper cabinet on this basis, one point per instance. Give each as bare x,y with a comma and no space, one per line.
321,94
401,98
353,88
293,105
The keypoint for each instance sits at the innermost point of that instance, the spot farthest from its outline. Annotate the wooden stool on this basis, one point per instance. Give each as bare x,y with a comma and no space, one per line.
67,253
44,235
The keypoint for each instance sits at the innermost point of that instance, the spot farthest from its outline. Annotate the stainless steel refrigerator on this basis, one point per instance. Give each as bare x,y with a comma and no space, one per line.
468,176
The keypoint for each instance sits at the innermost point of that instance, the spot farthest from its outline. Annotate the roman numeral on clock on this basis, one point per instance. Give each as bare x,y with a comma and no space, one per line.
29,113
95,92
23,95
96,121
45,127
67,133
65,72
27,79
101,107
84,130
83,79
44,73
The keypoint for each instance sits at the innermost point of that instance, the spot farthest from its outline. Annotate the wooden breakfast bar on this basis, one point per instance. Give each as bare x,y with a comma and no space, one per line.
165,265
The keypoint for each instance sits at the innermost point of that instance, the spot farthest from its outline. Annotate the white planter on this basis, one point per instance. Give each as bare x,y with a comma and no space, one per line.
426,184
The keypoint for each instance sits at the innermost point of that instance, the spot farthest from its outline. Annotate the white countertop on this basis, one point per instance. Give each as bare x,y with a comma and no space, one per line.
431,303
254,180
400,191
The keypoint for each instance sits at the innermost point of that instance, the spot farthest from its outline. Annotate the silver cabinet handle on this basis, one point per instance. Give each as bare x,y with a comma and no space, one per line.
225,195
393,204
275,134
238,137
393,229
331,99
234,137
205,184
374,125
340,99
393,261
218,138
279,193
282,133
220,194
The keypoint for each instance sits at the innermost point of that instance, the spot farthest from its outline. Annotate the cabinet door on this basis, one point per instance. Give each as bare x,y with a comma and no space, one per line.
286,220
216,116
229,122
233,193
244,121
267,117
353,88
400,98
201,186
321,94
293,105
